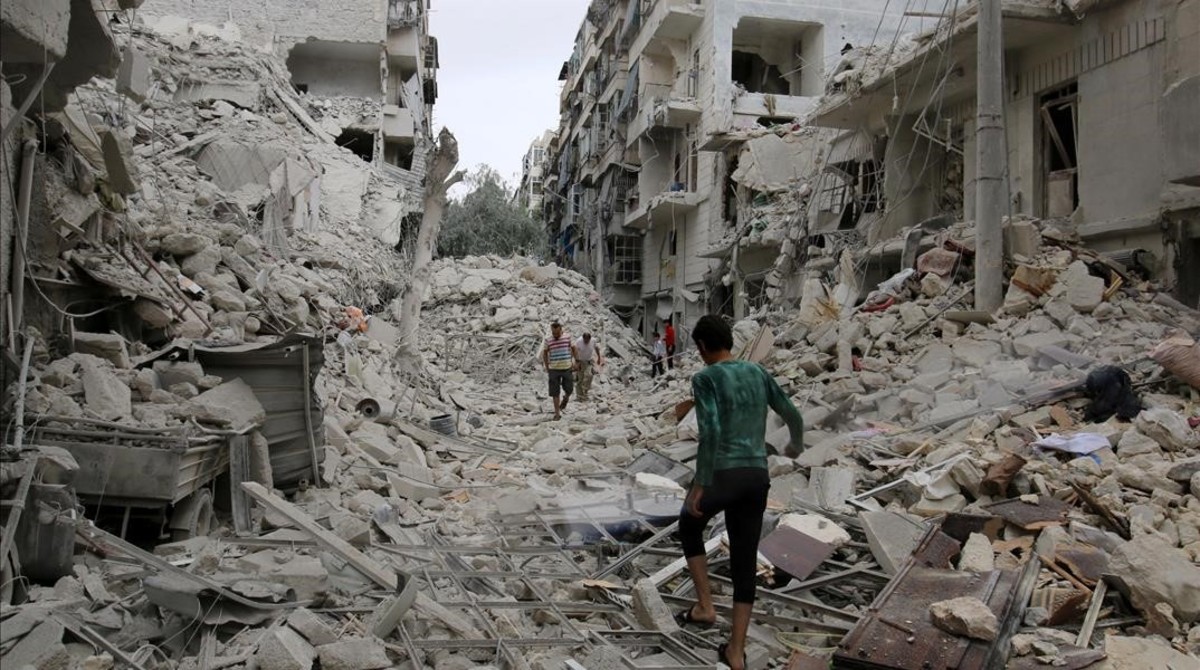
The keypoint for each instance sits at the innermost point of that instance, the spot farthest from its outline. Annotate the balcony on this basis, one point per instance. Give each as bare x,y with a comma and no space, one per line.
668,20
404,49
398,124
666,206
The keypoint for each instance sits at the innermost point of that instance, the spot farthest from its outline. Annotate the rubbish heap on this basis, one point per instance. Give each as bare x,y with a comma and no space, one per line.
245,474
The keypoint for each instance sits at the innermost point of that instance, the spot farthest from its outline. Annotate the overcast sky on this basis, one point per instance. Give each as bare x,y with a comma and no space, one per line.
498,83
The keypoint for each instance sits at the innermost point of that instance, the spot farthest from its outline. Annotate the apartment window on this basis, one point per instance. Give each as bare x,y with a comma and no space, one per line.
1060,155
535,185
538,155
576,199
625,259
777,57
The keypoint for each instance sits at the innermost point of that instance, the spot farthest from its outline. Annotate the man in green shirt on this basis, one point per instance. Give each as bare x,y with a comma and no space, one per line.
732,398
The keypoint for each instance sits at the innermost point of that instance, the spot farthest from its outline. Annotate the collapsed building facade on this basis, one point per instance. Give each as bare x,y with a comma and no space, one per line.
1100,103
638,191
365,69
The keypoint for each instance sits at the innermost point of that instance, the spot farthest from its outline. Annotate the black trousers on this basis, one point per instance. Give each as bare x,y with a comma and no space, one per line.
671,357
657,368
741,493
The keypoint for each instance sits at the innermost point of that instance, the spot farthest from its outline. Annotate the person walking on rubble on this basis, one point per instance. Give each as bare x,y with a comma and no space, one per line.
658,351
587,359
669,340
731,400
558,357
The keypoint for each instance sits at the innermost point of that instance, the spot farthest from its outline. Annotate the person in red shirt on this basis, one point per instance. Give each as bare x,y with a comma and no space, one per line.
669,339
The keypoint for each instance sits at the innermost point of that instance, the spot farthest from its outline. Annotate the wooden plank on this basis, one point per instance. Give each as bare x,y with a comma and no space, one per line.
1093,613
369,567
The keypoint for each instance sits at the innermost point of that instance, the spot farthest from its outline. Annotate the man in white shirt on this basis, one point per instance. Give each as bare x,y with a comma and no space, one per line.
659,354
587,357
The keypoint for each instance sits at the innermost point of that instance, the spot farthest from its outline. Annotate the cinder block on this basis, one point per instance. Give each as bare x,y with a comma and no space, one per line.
33,30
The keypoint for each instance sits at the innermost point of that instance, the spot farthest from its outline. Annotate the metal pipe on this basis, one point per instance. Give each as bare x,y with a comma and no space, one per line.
10,527
24,196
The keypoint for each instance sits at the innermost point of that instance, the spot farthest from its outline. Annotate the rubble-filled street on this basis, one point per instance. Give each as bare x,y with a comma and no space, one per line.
252,421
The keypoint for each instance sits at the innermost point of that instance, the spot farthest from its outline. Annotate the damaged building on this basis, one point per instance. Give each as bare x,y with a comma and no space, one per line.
1099,110
531,193
222,453
366,70
639,191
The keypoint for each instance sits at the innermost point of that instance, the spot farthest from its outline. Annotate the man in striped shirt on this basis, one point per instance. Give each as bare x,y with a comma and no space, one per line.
558,357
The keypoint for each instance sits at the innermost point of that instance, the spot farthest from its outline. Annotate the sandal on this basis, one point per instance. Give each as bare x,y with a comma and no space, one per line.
685,618
723,656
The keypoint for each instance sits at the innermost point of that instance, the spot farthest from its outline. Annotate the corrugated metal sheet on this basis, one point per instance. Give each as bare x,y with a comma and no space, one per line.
275,371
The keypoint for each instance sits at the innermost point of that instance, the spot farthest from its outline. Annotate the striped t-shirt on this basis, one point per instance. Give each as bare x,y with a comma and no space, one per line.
560,352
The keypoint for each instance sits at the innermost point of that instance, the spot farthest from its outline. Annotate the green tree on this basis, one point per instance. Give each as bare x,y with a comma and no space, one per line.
487,220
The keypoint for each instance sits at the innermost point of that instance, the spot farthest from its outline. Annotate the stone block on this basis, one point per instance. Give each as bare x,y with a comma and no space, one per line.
32,31
231,404
312,627
1022,238
171,373
413,482
133,77
968,617
119,162
104,393
976,353
977,554
1079,288
1156,572
284,649
41,649
354,653
109,346
651,612
304,574
351,528
184,244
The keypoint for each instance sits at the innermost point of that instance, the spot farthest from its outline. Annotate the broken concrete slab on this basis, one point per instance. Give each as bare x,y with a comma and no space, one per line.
133,77
109,346
104,393
1156,572
1079,288
32,31
118,161
1140,653
892,537
284,649
184,244
231,404
354,653
244,94
42,649
965,616
650,609
304,574
312,627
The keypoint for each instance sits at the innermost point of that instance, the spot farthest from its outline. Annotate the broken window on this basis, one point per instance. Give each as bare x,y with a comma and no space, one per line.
849,190
1060,158
332,69
777,57
693,79
756,75
360,141
625,256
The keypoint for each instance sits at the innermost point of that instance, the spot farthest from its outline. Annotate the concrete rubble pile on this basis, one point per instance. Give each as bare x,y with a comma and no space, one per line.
371,510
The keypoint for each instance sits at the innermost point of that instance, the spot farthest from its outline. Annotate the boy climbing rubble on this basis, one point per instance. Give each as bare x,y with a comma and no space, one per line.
558,358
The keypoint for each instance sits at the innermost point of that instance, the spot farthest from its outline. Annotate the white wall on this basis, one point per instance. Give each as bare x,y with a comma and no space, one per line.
283,22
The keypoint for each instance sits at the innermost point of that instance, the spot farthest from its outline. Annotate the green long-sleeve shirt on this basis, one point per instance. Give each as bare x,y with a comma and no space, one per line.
731,410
